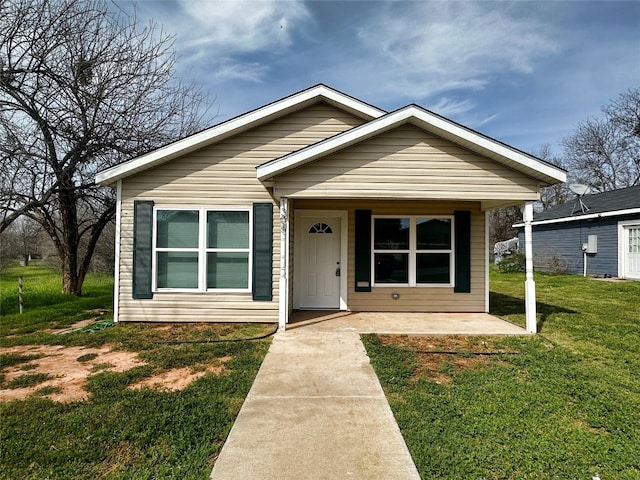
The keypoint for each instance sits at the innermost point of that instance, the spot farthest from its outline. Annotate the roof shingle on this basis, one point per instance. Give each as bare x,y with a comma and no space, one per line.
611,201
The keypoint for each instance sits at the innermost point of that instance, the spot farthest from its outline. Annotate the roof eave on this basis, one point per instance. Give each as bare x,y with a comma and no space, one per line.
237,125
545,172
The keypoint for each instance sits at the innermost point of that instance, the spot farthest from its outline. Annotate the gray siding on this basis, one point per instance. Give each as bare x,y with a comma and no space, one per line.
563,242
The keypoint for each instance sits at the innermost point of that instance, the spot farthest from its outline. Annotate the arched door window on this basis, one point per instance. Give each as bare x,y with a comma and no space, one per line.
320,228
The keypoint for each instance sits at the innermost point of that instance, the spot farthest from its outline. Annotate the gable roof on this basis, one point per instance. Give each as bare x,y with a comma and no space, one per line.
239,124
429,121
623,201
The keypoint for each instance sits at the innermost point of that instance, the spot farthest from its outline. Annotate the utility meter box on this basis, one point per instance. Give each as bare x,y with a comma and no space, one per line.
592,244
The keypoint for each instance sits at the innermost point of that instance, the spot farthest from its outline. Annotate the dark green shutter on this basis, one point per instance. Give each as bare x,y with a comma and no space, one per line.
262,251
363,251
462,251
142,249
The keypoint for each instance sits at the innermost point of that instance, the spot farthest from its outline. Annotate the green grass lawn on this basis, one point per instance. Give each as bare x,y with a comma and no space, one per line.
118,433
44,304
564,404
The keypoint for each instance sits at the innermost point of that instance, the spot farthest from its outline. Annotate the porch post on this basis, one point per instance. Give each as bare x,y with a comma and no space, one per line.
529,284
283,291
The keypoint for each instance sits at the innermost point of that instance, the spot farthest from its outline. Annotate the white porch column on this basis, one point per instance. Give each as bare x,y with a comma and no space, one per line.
116,273
529,284
283,306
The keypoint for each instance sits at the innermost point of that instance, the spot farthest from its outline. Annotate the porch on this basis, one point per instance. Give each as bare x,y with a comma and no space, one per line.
412,323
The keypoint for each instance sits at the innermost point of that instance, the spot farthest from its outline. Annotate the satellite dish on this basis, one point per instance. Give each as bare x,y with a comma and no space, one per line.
579,188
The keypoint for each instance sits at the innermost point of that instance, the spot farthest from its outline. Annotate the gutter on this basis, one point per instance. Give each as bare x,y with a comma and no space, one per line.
615,213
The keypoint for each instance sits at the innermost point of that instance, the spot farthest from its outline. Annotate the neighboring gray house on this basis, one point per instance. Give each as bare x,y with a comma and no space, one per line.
595,235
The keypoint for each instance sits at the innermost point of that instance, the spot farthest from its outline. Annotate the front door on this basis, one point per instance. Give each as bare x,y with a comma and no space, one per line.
317,268
632,251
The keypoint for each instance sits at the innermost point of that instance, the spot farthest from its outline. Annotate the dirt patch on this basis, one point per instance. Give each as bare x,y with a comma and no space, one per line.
438,367
77,325
60,362
440,343
437,358
175,379
69,367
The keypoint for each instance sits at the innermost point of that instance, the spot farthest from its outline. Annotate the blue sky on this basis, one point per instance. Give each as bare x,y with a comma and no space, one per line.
522,72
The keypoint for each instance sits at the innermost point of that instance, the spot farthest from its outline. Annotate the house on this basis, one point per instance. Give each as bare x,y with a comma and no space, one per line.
315,201
596,235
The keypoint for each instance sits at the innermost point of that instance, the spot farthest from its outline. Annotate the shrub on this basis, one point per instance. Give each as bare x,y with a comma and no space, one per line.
512,264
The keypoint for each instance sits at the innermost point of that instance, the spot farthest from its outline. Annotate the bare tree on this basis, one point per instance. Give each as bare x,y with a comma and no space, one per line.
554,194
501,223
605,152
20,241
81,88
501,220
625,111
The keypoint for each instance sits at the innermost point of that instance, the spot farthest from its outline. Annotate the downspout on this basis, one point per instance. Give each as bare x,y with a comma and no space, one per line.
283,298
529,284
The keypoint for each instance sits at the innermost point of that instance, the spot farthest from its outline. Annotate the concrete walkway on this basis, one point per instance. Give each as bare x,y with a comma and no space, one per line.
315,411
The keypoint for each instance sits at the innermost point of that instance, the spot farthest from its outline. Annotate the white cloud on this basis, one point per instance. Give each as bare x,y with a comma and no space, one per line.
230,40
449,107
241,26
463,111
432,47
228,69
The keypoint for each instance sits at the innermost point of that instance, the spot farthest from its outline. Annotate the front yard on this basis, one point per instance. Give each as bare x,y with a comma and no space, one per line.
148,402
564,404
100,401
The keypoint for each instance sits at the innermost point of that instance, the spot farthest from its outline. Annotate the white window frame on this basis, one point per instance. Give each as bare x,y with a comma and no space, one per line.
202,250
413,252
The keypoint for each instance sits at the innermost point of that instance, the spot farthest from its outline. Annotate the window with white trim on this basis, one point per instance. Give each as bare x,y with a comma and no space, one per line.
198,249
412,250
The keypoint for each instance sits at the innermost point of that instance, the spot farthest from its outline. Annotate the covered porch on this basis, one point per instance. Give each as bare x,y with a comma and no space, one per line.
412,323
392,216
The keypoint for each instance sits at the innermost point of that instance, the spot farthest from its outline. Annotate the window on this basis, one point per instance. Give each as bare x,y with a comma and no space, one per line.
202,250
320,228
227,250
412,250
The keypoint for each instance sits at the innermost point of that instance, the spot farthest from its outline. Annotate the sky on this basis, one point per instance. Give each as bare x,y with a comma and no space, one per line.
525,73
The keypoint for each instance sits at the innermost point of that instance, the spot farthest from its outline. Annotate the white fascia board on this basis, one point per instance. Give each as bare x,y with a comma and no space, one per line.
457,133
344,101
591,216
234,126
423,119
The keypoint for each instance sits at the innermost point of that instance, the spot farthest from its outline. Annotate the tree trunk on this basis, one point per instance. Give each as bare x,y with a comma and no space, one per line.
68,210
70,284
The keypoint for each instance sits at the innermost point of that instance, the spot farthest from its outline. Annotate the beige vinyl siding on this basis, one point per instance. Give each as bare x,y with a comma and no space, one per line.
221,175
406,163
413,299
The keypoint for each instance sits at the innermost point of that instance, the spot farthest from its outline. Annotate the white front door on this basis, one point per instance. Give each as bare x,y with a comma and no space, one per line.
632,251
317,267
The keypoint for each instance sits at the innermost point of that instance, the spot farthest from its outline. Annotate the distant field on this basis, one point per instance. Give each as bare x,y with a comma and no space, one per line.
45,306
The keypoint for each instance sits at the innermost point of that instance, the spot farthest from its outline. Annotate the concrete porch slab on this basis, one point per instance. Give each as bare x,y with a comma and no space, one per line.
413,323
